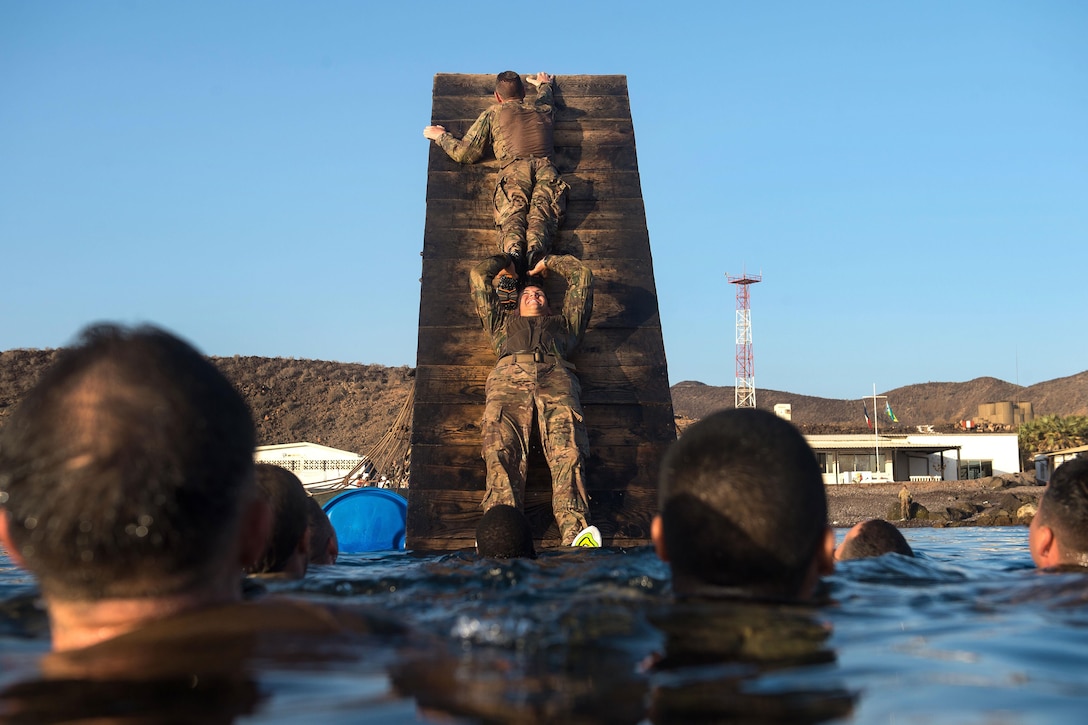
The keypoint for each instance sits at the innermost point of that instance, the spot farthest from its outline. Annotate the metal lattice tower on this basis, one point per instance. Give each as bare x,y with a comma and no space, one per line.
745,395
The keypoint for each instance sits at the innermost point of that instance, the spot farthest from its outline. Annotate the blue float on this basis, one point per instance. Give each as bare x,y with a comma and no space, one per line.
368,519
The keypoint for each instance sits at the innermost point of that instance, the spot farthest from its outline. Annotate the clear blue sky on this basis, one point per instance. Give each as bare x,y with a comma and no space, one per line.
911,179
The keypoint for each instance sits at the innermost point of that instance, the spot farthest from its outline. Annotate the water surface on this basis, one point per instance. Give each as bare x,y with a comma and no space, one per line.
966,632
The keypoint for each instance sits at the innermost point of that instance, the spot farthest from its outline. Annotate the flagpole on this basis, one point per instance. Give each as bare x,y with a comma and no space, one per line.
875,424
876,430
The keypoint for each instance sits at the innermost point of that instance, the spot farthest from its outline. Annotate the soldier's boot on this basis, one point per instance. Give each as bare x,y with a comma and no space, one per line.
537,240
513,244
521,265
590,536
536,253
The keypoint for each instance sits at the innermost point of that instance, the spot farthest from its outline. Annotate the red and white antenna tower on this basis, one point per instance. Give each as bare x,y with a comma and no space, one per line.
745,390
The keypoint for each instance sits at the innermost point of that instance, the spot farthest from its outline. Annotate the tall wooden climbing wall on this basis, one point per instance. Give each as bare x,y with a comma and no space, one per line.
621,363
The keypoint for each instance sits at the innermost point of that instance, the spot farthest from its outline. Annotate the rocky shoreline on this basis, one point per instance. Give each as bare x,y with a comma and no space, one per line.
1006,500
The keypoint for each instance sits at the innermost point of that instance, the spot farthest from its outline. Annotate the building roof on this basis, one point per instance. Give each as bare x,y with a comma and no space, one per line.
310,448
868,442
1066,451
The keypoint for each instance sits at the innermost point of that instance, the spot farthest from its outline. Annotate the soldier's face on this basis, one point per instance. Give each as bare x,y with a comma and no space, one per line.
532,302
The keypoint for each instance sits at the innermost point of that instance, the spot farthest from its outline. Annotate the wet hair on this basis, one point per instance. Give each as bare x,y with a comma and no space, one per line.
1064,507
287,497
742,503
321,533
509,86
874,537
124,469
503,533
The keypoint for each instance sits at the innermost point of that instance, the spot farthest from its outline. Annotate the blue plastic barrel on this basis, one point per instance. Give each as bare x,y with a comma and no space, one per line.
368,519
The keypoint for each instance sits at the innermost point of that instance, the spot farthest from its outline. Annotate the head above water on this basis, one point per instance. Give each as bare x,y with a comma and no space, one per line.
1059,531
874,537
509,86
288,549
504,533
742,506
324,546
126,470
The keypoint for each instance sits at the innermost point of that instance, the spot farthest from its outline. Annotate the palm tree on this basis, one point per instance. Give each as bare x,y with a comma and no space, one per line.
1050,433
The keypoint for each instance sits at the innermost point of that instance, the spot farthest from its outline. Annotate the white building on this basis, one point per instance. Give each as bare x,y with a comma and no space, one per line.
1045,463
867,458
318,467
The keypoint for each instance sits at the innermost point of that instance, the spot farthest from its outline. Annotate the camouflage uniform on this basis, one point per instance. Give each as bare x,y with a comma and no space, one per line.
530,197
533,374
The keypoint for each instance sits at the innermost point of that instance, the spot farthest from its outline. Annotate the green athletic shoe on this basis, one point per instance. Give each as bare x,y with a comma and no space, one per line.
590,536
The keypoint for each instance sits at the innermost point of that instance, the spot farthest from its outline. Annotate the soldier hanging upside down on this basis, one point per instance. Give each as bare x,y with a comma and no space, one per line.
531,377
530,197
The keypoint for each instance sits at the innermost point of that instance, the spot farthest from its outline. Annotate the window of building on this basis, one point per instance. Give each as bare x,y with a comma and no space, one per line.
975,469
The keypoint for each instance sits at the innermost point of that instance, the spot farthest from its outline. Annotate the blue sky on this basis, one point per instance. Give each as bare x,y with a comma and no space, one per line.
911,179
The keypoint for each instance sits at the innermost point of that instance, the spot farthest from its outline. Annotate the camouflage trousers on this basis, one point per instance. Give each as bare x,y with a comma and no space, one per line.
515,393
530,203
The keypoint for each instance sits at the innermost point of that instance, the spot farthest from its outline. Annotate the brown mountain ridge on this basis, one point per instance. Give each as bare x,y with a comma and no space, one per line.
942,405
352,405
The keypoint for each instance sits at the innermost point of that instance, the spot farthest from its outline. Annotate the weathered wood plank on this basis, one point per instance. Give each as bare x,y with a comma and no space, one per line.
607,425
461,467
458,113
581,214
636,308
604,355
584,214
623,295
604,380
590,245
575,132
450,517
451,346
482,85
473,182
607,157
608,274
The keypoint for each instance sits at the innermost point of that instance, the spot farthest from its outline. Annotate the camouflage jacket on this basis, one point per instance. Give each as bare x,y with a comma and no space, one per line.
555,334
489,128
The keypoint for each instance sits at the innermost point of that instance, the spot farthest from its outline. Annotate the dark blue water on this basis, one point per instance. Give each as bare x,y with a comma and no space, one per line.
967,632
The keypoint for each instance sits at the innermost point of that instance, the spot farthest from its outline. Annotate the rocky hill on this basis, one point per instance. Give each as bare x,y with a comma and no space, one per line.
941,405
343,405
352,406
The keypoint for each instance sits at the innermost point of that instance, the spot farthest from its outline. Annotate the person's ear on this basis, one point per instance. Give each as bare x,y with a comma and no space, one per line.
306,542
821,564
825,555
254,532
657,535
6,542
1044,547
498,97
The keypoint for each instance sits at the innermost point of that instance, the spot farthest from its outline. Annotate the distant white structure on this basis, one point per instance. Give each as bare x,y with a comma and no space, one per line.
783,410
318,467
865,458
1045,463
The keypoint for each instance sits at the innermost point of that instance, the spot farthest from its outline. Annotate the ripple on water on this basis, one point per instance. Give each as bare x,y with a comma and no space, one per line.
967,631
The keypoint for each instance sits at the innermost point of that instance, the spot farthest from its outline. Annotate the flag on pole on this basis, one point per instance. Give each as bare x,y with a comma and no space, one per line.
888,410
865,412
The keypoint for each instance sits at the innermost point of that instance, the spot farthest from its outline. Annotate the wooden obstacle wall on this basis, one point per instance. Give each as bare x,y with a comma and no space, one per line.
621,362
